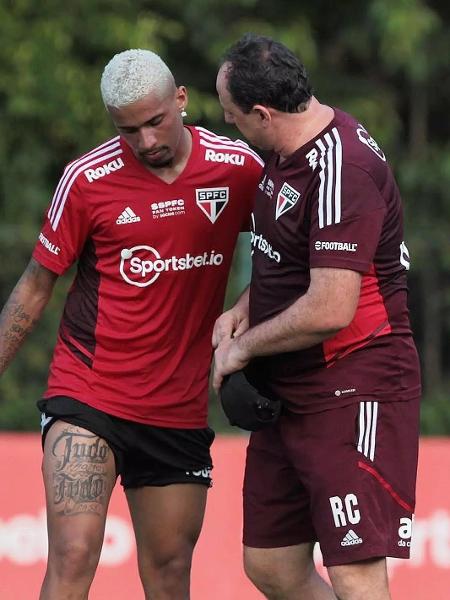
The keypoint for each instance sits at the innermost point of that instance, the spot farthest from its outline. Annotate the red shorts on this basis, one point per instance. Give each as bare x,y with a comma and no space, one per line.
344,477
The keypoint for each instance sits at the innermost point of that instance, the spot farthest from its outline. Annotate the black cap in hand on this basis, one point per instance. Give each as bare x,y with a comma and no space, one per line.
245,406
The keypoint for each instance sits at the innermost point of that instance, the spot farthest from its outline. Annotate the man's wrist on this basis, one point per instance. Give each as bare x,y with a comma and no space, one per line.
242,348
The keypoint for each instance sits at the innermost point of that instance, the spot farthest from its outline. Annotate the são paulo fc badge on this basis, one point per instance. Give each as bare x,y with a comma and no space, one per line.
286,199
212,201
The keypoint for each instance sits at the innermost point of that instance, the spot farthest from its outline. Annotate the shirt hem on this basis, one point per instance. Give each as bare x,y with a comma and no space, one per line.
169,423
328,404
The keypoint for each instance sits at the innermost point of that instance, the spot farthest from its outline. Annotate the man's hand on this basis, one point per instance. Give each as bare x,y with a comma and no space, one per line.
228,358
230,324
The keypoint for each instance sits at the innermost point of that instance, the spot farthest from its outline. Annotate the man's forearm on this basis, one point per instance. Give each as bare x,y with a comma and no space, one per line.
23,309
290,330
243,300
327,307
15,324
295,328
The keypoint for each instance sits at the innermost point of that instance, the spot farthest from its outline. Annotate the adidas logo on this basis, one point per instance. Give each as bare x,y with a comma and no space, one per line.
351,539
128,216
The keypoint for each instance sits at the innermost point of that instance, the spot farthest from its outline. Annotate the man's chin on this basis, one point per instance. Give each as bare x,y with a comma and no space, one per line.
158,164
161,160
161,157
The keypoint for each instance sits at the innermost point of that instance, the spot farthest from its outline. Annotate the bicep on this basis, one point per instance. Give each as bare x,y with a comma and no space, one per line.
345,232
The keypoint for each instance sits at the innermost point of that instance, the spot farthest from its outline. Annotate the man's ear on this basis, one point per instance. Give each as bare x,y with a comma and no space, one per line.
182,97
263,113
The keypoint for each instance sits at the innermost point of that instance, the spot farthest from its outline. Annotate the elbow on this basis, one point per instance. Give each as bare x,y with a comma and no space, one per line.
329,330
342,321
334,323
338,325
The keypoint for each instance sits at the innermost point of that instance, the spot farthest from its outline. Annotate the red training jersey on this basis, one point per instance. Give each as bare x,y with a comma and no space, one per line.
334,203
153,260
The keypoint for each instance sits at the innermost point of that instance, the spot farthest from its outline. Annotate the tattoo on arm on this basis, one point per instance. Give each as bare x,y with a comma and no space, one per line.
15,324
81,480
23,309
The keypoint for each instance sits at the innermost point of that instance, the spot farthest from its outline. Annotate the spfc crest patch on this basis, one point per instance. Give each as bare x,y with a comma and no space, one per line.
286,199
212,201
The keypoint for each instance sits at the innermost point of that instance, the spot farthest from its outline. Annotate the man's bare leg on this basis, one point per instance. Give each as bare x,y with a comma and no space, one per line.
286,573
167,522
79,476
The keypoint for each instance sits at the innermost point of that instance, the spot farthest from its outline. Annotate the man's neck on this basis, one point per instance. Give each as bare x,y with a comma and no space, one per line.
297,129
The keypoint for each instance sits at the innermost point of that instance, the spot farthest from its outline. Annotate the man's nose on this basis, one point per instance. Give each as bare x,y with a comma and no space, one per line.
146,139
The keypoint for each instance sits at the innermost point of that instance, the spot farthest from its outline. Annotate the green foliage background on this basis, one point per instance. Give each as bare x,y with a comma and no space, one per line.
385,61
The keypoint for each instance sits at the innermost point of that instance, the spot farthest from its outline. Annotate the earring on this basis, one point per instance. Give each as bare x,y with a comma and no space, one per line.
183,113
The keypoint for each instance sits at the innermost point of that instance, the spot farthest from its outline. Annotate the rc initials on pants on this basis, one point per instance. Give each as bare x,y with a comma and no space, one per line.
345,512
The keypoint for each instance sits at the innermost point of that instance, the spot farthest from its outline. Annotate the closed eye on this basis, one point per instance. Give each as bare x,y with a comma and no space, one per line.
154,122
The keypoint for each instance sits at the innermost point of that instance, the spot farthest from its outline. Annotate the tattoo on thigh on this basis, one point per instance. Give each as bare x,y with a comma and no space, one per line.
81,475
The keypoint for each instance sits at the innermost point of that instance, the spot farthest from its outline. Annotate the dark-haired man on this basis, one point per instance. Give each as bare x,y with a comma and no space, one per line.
329,335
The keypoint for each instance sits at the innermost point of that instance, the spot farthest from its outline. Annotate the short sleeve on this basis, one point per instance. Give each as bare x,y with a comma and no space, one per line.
249,183
65,228
347,215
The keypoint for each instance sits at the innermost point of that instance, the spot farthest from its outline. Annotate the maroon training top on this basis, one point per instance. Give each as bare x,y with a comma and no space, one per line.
334,203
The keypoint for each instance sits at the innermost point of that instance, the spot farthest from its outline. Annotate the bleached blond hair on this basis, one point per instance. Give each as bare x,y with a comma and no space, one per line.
131,75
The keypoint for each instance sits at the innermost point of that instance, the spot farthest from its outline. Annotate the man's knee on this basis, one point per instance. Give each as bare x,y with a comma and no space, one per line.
365,580
166,571
276,576
258,570
173,565
74,559
262,578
